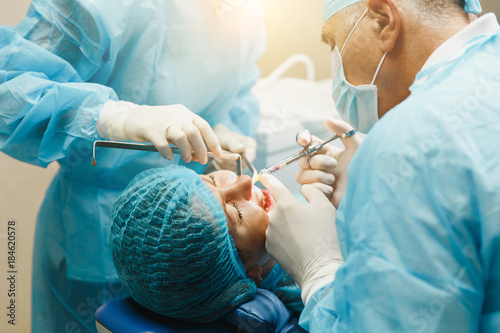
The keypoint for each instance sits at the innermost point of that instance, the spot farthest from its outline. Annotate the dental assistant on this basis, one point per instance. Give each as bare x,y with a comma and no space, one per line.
159,71
416,246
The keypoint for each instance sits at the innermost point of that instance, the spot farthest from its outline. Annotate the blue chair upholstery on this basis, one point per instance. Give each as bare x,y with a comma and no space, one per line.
264,313
126,316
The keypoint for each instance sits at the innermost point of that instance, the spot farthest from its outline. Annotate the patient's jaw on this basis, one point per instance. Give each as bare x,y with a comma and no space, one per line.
247,209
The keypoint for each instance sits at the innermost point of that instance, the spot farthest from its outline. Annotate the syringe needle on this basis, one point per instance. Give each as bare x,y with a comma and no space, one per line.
307,151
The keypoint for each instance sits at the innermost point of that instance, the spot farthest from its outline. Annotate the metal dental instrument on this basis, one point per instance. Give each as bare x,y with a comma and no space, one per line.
148,147
309,149
250,167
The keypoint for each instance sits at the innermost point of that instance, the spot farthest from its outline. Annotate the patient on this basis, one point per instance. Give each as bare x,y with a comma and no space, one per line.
193,247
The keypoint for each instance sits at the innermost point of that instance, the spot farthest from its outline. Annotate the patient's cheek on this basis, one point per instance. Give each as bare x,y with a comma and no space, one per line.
264,220
262,227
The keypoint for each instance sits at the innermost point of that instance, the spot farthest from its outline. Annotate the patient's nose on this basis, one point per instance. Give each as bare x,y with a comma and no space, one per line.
240,189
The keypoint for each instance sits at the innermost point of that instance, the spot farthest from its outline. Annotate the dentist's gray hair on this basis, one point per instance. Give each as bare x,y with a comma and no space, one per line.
430,11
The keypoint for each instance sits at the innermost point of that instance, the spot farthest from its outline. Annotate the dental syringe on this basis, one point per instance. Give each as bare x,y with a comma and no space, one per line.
309,149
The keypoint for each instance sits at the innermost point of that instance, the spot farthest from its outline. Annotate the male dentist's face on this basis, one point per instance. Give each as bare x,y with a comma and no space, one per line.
247,208
361,56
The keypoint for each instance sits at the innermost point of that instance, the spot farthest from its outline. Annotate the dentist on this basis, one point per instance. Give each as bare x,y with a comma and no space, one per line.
415,243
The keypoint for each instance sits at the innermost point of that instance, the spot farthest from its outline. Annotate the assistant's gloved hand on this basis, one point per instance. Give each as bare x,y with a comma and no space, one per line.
159,125
329,166
302,237
234,143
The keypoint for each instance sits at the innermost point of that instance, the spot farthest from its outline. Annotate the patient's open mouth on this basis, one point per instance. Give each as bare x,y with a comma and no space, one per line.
264,199
268,201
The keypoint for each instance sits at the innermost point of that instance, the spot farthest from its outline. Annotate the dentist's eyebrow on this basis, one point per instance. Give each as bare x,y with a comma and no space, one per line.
326,36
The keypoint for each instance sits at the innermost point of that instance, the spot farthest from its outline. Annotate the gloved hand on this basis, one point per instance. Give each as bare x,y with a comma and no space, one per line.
159,125
234,143
329,166
302,237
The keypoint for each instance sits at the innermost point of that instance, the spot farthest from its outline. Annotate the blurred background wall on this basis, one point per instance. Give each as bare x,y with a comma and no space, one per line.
293,26
21,191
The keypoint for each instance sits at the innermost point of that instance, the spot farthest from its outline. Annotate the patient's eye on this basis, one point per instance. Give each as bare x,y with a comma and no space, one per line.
238,209
213,179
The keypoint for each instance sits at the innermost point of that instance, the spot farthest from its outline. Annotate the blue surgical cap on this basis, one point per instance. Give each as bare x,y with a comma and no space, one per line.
473,7
172,250
332,7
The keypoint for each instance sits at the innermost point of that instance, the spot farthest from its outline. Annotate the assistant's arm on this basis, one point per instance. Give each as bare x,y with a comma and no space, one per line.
45,107
56,67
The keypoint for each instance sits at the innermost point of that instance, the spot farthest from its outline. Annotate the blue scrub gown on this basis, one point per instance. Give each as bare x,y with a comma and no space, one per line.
58,68
283,286
419,223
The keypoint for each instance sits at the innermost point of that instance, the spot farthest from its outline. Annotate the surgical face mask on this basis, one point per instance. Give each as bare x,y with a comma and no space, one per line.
358,105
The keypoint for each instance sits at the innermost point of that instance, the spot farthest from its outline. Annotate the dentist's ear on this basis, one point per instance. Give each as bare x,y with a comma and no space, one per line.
388,18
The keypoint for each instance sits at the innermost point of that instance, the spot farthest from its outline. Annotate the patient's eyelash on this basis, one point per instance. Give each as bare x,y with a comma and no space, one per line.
213,179
240,215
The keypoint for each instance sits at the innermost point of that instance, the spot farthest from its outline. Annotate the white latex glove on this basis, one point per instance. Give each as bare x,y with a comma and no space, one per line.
234,143
329,166
159,125
302,237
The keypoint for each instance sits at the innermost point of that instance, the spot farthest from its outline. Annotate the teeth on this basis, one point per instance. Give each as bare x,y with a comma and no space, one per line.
264,200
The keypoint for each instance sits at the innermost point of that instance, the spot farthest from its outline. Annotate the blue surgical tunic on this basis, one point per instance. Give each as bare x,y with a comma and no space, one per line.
283,286
419,223
58,68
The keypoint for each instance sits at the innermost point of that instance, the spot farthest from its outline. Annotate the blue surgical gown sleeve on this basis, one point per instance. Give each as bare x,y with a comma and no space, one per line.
419,221
46,106
244,115
283,286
